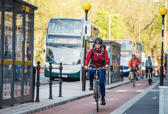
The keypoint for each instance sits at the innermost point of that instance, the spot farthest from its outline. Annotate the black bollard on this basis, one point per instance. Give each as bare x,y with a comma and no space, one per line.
121,73
34,81
60,82
50,82
38,82
83,79
111,73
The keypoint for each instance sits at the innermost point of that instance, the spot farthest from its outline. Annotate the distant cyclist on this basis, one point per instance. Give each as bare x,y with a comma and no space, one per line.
149,65
133,63
98,59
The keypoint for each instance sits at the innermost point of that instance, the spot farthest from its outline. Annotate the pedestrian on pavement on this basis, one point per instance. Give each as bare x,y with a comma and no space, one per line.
133,63
149,65
98,59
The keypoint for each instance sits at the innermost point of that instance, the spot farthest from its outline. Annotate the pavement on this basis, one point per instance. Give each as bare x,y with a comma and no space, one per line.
70,92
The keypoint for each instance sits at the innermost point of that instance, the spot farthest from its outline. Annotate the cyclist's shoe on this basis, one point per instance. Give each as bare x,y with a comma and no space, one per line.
103,102
136,78
91,86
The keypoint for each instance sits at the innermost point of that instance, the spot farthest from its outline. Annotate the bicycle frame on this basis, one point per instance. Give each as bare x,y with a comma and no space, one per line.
149,75
96,80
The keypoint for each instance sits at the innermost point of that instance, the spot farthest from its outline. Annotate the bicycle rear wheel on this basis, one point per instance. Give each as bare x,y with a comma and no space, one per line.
149,80
97,96
134,79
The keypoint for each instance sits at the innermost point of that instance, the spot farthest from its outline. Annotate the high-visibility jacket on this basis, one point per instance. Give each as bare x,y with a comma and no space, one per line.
134,63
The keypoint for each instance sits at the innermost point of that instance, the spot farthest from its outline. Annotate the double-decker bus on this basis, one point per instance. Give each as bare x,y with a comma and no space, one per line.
125,54
63,44
127,48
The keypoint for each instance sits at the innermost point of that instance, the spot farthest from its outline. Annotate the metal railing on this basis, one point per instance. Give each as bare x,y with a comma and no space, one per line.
50,81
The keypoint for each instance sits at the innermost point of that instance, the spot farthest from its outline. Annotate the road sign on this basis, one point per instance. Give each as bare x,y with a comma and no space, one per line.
88,24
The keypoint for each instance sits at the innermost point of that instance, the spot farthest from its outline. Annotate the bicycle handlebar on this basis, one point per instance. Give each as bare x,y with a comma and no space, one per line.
148,67
101,68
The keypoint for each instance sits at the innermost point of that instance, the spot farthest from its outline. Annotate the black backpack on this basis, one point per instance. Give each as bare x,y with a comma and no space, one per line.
103,48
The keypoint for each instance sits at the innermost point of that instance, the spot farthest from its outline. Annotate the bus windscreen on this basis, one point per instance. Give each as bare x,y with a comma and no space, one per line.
125,45
65,26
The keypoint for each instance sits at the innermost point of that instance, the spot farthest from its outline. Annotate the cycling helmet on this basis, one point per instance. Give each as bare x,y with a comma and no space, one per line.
98,41
133,54
148,56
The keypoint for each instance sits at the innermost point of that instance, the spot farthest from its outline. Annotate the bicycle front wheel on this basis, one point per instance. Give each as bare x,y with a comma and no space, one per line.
97,96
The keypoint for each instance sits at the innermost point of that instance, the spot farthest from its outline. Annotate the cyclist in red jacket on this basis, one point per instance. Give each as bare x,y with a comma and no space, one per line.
99,60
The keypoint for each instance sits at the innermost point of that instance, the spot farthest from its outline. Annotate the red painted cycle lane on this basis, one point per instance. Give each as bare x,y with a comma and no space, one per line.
87,105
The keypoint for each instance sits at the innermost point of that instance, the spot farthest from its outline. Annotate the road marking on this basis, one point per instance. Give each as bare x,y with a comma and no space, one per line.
154,97
138,84
139,90
95,102
121,90
112,99
126,90
154,90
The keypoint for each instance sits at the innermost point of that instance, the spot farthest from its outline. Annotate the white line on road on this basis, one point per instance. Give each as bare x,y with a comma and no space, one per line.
112,99
121,90
139,90
154,97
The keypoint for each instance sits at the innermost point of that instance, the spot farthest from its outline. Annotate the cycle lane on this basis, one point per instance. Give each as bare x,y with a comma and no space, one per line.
115,98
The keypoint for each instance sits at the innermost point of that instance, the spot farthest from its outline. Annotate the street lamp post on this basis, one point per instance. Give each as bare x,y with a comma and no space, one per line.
61,8
86,7
110,24
163,12
165,21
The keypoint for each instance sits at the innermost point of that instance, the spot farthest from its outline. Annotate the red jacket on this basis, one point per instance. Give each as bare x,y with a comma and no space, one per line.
133,63
97,58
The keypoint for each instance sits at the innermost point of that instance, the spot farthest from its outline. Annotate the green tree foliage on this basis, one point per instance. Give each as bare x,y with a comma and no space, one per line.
126,26
102,21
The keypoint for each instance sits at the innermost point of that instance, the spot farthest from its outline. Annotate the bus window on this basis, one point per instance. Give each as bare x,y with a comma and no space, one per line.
65,26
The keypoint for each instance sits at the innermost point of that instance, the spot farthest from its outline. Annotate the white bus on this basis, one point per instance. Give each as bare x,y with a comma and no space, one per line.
63,44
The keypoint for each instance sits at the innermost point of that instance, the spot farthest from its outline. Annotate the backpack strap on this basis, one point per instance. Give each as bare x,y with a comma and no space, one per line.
93,51
103,51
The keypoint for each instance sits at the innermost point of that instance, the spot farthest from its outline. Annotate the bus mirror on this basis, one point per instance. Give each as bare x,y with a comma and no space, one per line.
44,50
